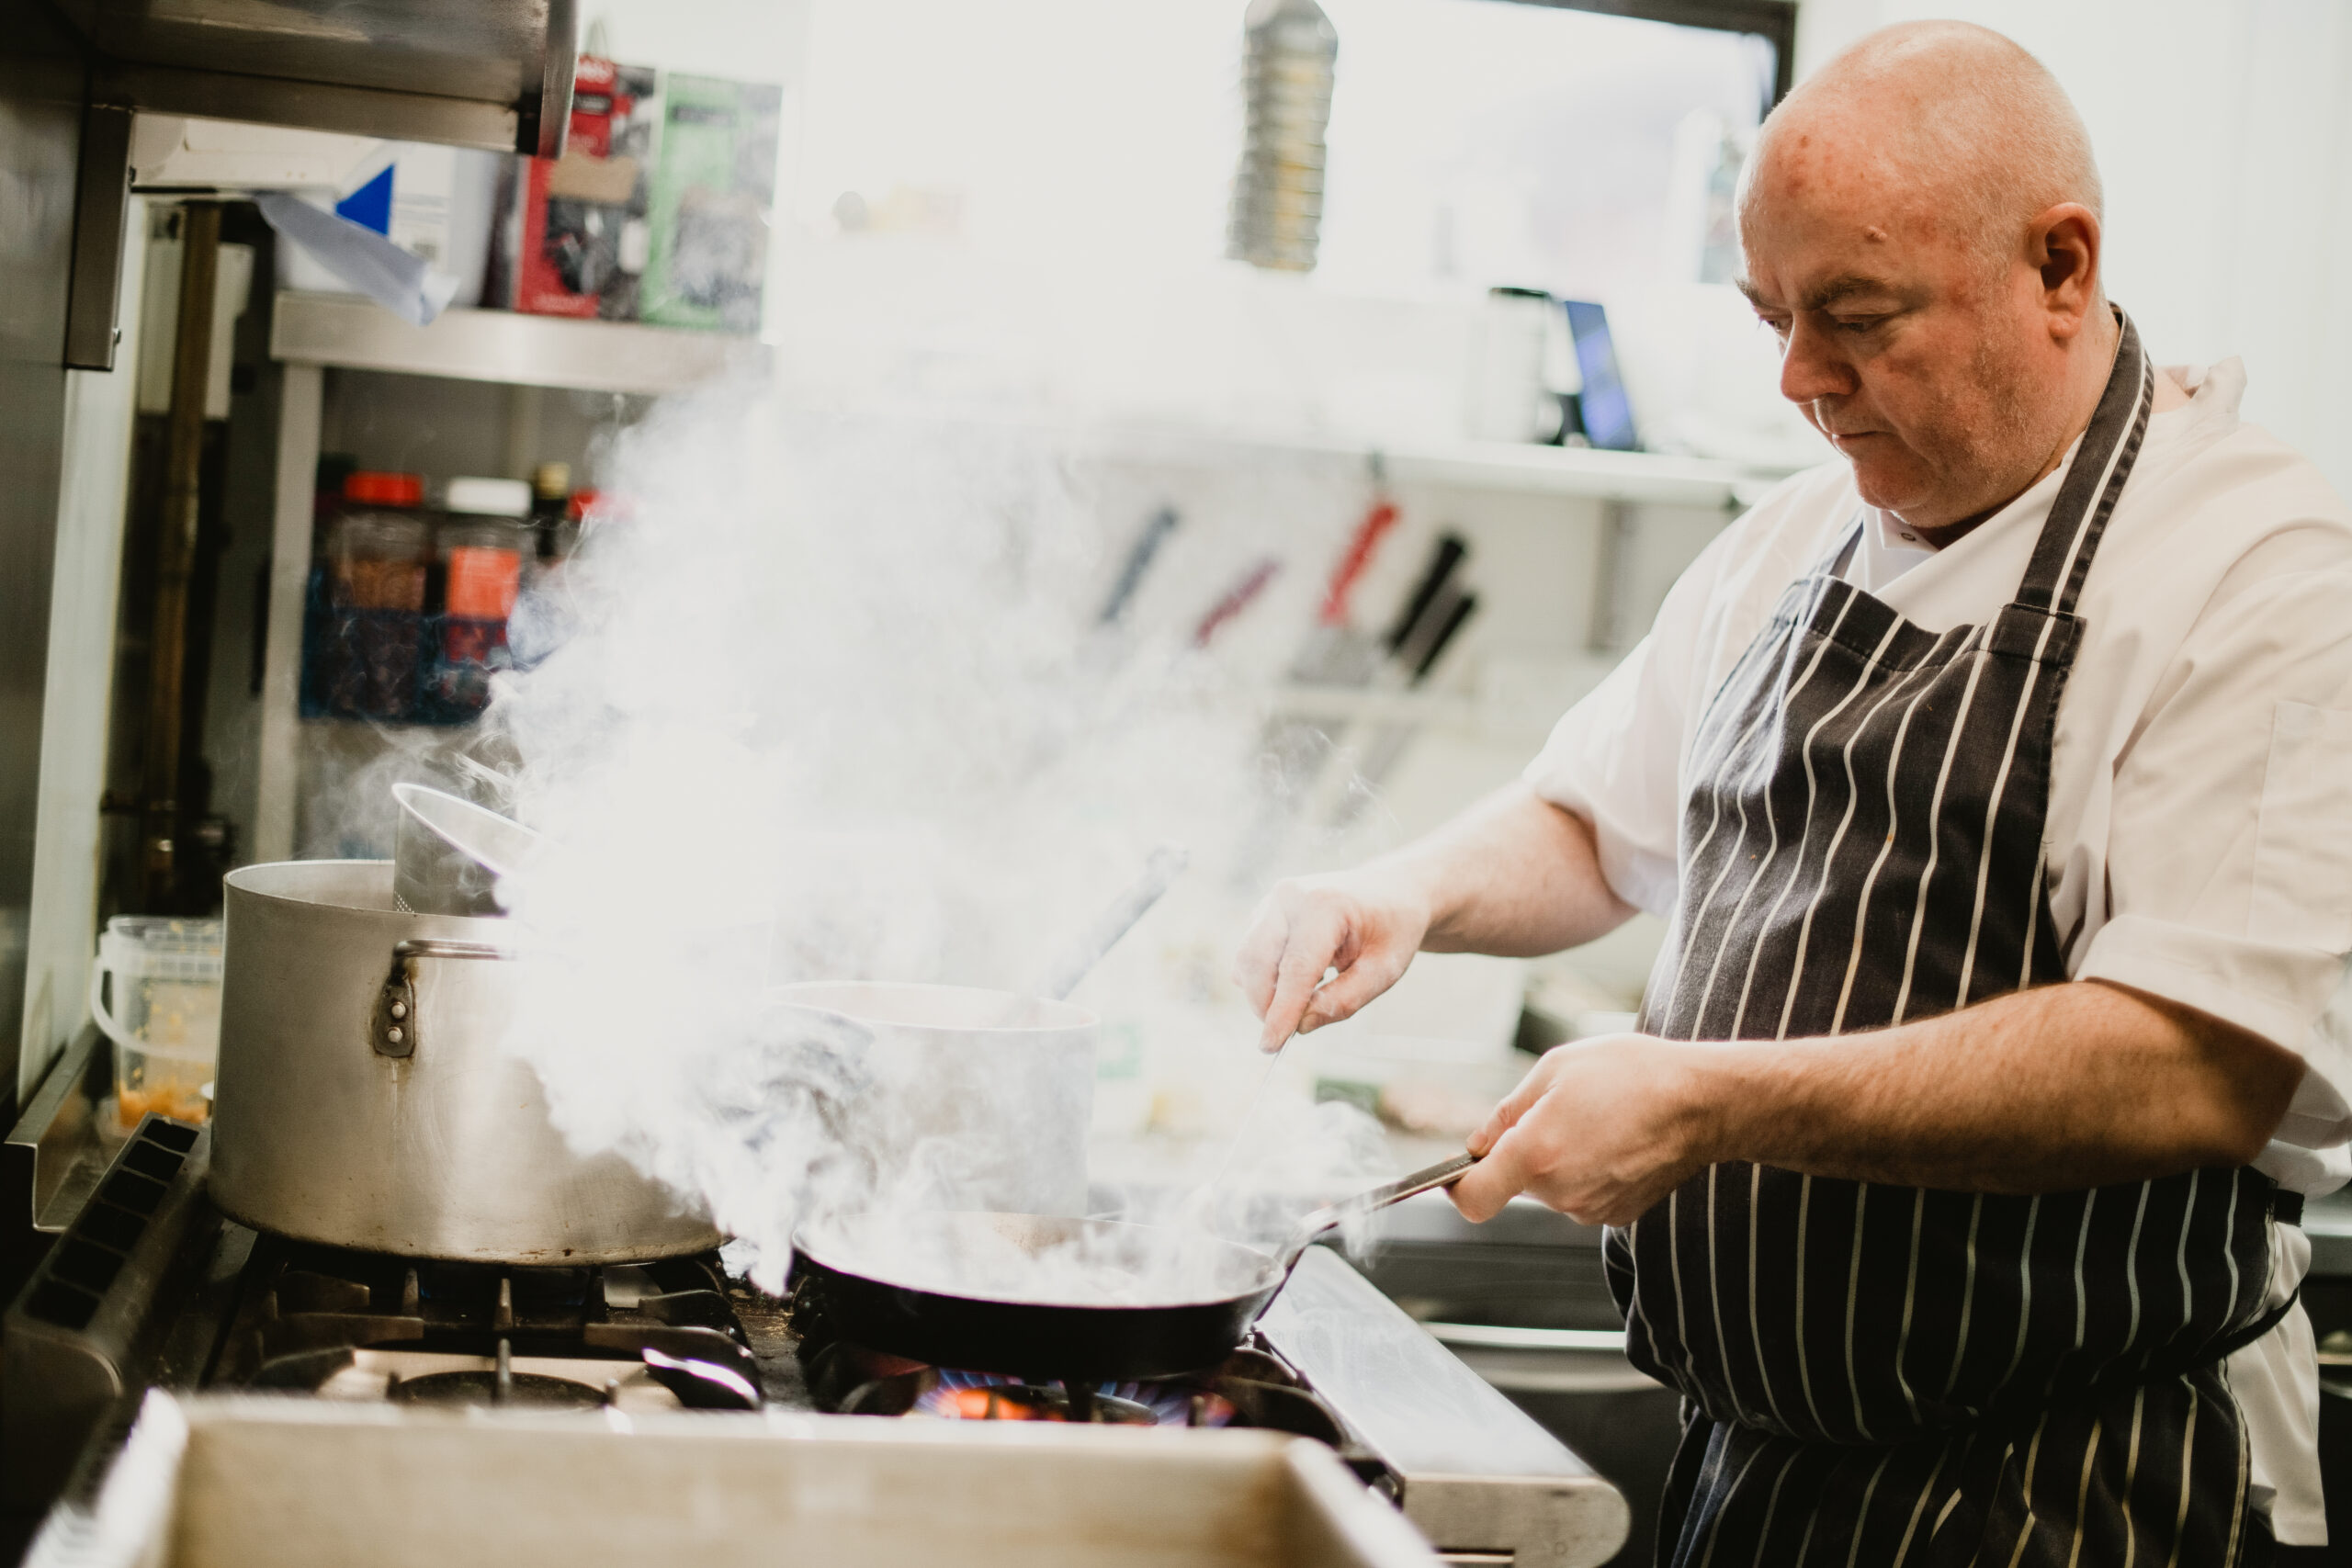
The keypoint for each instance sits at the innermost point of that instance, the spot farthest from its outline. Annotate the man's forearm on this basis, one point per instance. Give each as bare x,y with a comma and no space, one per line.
2069,1086
1514,875
2066,1085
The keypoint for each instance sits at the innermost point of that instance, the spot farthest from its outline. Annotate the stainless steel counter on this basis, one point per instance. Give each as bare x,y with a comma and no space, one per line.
2328,1222
1431,1219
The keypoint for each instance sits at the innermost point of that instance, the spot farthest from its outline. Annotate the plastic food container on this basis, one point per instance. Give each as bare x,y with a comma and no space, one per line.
155,991
378,552
482,544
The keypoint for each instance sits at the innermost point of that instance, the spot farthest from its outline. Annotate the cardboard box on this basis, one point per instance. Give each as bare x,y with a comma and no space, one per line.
577,240
714,184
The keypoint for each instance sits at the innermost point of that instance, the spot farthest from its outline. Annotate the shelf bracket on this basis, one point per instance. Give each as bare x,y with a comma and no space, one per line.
101,216
1612,579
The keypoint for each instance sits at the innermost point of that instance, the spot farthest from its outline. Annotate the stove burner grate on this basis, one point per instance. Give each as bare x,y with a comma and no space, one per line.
983,1396
361,1326
495,1388
1250,1388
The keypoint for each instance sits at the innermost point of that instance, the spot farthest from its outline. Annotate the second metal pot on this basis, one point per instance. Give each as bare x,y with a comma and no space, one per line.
980,1099
365,1098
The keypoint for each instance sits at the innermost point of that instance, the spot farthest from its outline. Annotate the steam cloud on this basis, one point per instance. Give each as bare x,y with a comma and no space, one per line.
832,700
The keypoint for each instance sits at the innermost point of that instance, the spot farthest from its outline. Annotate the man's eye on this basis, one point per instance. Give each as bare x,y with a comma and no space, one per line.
1858,323
1779,326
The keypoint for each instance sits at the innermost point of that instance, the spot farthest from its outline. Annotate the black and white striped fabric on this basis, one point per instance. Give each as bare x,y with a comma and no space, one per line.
1894,1375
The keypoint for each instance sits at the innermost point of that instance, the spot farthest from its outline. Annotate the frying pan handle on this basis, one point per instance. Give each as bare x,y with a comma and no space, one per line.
1446,1173
392,1027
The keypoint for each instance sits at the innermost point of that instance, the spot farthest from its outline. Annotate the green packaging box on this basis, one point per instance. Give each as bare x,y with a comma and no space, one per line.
713,185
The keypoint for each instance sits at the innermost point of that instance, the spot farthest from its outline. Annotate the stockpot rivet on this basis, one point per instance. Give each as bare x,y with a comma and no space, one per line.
393,1035
400,1010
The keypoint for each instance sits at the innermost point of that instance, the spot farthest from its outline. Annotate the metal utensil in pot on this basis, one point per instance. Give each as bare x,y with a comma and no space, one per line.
934,1287
1078,959
449,853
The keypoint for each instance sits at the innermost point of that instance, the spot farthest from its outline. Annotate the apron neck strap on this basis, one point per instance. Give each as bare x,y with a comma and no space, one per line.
2062,559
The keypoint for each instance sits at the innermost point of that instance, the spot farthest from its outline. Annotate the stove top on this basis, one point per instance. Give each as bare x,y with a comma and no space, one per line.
357,1325
676,1333
150,1287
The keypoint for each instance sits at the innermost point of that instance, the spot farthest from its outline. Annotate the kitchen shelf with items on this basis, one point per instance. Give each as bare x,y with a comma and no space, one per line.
406,610
391,588
629,268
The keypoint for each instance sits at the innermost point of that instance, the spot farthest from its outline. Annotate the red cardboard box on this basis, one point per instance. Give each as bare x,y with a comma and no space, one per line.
577,240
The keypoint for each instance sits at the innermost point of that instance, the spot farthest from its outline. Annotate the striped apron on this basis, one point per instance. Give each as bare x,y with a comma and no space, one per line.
1880,1376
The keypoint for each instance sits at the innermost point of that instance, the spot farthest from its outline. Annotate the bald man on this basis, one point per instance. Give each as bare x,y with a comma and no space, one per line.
1997,784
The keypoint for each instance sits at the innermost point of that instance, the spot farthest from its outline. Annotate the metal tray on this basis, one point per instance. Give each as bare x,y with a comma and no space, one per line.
212,1481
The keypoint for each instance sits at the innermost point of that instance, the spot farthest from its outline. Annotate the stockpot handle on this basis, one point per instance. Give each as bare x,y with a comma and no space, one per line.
392,1031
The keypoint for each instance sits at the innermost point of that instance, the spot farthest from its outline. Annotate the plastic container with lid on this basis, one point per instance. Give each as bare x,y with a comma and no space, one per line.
156,992
380,548
483,539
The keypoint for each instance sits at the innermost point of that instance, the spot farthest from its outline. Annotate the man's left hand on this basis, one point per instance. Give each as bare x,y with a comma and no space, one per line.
1599,1129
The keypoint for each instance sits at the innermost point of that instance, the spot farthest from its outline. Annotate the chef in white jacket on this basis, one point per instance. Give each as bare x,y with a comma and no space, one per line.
1996,781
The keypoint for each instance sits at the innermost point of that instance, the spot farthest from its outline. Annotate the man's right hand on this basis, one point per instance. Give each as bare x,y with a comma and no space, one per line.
1514,874
1365,924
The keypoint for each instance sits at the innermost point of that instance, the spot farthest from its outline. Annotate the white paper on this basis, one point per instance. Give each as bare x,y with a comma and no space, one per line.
399,280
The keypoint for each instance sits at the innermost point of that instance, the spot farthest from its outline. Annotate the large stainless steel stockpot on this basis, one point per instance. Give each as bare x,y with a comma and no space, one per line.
363,1098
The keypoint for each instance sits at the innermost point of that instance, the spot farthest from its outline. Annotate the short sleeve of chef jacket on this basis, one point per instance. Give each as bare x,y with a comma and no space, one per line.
2229,845
2213,862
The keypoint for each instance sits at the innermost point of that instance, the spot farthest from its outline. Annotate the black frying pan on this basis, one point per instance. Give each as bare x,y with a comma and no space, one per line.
947,1288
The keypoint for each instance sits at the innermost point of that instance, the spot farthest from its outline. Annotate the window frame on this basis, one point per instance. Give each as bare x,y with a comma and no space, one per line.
1775,21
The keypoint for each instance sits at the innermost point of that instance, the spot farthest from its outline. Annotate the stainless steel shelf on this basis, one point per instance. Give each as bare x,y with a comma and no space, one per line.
1635,477
493,74
347,331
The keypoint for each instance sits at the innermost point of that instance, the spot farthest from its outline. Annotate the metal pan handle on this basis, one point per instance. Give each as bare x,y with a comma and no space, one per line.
1446,1173
393,1028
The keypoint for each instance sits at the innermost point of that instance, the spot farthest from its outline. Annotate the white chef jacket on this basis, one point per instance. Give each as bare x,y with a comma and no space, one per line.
2198,832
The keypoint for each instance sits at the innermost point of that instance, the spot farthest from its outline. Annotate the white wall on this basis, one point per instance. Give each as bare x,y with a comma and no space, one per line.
2224,132
745,40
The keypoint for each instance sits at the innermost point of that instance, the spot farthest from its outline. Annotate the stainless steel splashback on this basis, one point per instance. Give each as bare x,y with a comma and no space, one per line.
41,137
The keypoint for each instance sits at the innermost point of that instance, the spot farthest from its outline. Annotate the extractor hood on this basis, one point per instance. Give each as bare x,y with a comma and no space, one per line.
492,74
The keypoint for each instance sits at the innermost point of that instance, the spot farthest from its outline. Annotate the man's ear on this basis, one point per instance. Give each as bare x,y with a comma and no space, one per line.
2065,249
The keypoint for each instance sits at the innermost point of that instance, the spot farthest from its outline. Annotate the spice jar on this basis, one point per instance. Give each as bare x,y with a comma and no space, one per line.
377,552
484,536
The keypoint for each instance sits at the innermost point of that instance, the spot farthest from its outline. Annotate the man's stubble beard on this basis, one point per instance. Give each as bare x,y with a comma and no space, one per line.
1993,449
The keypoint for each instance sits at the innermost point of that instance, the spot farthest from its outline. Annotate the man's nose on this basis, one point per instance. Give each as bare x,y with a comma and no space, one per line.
1811,367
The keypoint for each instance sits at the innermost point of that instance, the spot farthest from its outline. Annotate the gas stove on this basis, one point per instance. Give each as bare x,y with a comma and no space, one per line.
148,1287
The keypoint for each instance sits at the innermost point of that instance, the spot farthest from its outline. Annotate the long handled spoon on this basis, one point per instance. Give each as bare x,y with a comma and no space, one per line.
1115,920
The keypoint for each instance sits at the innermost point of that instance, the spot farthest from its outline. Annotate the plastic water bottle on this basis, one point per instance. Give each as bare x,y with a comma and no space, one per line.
1278,193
